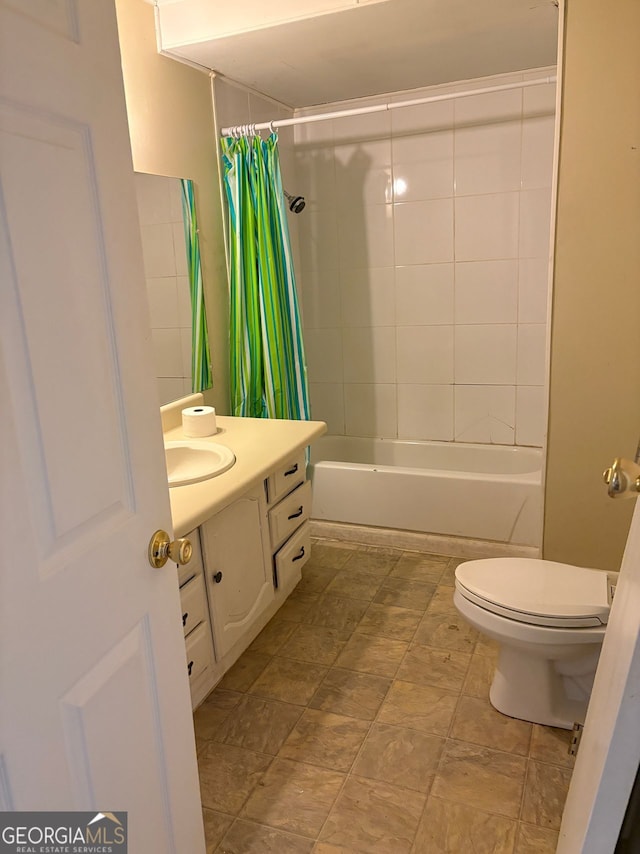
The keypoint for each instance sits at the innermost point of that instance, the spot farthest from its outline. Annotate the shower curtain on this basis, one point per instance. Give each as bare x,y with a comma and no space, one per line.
268,369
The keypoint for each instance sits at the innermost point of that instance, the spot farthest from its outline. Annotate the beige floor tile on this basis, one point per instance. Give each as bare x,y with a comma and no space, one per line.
315,579
323,848
246,837
355,584
378,561
446,631
272,637
399,756
405,593
442,601
228,775
389,621
368,654
208,718
346,692
334,612
479,676
215,826
315,644
332,553
420,707
476,721
294,797
449,575
438,667
326,739
478,777
544,795
449,828
549,744
421,567
536,840
260,725
373,817
245,671
289,681
297,610
487,646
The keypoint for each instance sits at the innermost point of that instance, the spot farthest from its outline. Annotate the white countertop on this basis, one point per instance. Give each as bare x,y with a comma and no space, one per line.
260,446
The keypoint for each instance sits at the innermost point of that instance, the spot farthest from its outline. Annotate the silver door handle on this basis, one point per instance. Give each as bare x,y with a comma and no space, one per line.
622,479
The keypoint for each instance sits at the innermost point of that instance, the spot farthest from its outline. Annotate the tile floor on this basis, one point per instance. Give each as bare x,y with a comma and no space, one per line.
359,721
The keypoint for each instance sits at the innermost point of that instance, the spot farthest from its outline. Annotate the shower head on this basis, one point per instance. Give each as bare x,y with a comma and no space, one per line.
296,203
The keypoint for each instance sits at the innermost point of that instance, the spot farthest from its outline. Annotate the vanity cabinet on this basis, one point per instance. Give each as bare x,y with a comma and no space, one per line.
239,579
289,497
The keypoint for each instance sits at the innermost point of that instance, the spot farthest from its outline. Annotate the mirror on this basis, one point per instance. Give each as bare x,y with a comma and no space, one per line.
174,284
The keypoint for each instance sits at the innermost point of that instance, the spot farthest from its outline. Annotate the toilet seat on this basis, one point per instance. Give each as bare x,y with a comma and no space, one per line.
538,592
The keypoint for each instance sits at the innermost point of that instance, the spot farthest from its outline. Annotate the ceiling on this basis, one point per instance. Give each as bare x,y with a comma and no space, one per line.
369,49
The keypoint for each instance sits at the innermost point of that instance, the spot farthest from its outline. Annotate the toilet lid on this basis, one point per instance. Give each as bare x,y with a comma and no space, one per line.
536,591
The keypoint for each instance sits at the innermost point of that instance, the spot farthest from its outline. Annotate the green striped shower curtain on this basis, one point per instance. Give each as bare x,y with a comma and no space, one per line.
268,369
200,354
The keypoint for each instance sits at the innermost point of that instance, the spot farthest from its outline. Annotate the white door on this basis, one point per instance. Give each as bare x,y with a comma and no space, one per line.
610,749
94,701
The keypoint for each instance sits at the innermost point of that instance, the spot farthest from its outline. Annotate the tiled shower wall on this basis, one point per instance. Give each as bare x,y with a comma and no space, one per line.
424,265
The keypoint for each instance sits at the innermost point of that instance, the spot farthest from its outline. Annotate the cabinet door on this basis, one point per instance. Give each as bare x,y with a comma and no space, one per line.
239,579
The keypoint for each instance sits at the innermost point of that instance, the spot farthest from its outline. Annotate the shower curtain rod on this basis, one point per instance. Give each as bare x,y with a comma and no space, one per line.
235,130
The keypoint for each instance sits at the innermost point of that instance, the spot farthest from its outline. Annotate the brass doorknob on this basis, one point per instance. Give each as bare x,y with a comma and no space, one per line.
162,548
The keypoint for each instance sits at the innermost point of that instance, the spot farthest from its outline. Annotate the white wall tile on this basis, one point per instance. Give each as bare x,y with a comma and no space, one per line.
327,404
365,236
423,232
370,410
531,353
425,412
369,354
537,152
153,193
184,301
424,295
167,352
170,388
162,296
488,158
530,415
323,349
368,126
425,354
318,236
422,117
185,344
492,107
533,288
315,178
485,355
423,166
363,173
486,227
539,100
485,414
368,296
180,248
486,291
175,199
320,299
535,223
157,250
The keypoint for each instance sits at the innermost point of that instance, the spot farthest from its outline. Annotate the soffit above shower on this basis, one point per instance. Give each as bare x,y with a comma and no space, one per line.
306,52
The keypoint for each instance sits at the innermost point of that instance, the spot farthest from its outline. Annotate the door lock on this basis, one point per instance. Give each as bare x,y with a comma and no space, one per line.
622,479
162,548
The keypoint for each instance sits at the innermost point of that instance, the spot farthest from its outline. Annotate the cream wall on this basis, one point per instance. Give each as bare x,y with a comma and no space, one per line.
595,344
172,133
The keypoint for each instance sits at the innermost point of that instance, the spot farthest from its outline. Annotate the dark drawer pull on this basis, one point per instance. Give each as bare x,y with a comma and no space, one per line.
299,512
299,556
217,577
184,618
292,470
190,667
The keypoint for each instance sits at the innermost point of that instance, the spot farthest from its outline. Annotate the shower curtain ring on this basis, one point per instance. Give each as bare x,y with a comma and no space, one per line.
271,127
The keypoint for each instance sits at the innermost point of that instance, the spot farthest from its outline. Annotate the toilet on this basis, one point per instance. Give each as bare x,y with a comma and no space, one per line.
549,620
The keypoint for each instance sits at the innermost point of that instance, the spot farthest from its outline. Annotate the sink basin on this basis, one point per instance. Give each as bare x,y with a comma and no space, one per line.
191,460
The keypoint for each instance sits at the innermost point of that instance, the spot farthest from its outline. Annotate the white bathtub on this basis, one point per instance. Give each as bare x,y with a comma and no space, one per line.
487,492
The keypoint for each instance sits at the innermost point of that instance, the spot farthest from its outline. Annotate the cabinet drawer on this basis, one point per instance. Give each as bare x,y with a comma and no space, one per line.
194,567
292,557
287,477
289,514
193,601
199,651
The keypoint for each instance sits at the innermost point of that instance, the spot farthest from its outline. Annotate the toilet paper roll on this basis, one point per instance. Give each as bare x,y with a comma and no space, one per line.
199,421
